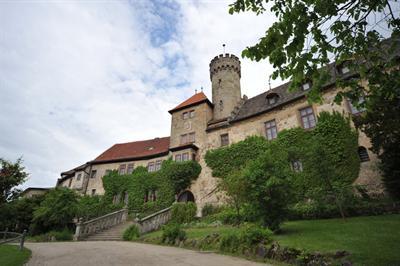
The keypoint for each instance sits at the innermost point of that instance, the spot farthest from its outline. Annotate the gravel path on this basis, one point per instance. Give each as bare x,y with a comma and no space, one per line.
98,253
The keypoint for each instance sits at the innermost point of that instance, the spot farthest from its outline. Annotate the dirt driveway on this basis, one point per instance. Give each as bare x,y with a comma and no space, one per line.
124,253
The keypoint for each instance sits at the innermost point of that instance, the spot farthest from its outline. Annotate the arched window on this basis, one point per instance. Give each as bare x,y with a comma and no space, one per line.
363,154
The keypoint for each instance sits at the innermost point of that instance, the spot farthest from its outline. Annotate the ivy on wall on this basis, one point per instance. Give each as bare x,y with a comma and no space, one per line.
324,161
159,188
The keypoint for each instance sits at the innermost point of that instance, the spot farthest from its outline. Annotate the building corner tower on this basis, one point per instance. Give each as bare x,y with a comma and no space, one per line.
225,83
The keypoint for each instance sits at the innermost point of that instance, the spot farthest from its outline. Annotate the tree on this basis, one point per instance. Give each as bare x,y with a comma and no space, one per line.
11,175
56,211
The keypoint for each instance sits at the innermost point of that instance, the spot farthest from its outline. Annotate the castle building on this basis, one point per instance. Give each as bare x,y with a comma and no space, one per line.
198,125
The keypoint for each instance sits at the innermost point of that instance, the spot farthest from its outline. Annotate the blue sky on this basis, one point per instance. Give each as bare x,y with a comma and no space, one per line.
77,77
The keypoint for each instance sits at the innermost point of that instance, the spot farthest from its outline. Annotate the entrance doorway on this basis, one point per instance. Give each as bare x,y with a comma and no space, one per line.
186,196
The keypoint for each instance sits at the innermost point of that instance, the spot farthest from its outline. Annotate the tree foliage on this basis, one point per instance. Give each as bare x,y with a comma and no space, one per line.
56,211
11,175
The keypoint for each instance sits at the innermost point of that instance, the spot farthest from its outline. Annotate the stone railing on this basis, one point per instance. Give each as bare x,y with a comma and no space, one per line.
84,229
154,221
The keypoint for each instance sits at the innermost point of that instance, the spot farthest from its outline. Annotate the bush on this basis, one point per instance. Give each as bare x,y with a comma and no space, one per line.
131,233
183,212
246,238
64,235
210,209
172,232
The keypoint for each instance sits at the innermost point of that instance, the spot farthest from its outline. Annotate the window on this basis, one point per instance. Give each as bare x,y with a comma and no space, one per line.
188,138
271,130
122,169
224,140
191,114
306,86
297,166
356,110
151,167
126,198
178,158
184,139
185,115
272,98
93,174
108,171
185,156
307,117
344,69
157,165
130,168
363,154
78,178
93,192
221,105
153,195
192,137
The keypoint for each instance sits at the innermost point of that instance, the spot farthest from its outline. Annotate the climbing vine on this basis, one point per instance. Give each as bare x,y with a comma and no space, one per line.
149,192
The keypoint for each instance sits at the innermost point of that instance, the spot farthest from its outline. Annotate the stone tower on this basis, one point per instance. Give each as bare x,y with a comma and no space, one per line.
225,83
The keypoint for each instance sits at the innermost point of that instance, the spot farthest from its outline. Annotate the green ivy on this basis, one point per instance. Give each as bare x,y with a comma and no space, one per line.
167,182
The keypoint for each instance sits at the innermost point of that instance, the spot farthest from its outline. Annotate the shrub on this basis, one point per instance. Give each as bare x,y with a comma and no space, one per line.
131,233
183,212
251,235
229,243
247,237
172,232
227,216
210,209
64,235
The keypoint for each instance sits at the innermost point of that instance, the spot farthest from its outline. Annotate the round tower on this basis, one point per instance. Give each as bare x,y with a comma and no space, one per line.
225,84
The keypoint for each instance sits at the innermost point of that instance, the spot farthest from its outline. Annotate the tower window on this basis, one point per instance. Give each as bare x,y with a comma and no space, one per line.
224,140
363,154
221,105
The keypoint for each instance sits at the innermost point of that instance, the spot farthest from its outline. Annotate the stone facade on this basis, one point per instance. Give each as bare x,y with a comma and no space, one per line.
197,126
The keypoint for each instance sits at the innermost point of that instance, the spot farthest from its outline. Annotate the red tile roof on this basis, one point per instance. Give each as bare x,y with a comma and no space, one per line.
195,99
135,150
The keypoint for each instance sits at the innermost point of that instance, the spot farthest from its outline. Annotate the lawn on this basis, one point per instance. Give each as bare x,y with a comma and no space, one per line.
10,255
372,240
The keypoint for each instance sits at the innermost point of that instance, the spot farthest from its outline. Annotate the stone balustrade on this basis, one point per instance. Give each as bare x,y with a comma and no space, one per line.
154,221
84,229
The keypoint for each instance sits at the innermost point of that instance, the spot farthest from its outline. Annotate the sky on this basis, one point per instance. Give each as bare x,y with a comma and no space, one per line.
78,77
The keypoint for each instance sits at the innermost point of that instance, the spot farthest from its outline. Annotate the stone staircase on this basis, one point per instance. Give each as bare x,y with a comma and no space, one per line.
112,234
111,227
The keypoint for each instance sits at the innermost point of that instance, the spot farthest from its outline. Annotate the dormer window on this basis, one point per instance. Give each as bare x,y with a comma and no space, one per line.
306,86
272,98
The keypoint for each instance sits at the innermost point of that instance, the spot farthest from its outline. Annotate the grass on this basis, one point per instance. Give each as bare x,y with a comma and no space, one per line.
371,240
10,255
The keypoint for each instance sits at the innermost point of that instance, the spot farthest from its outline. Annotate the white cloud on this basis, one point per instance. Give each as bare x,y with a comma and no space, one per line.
77,77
